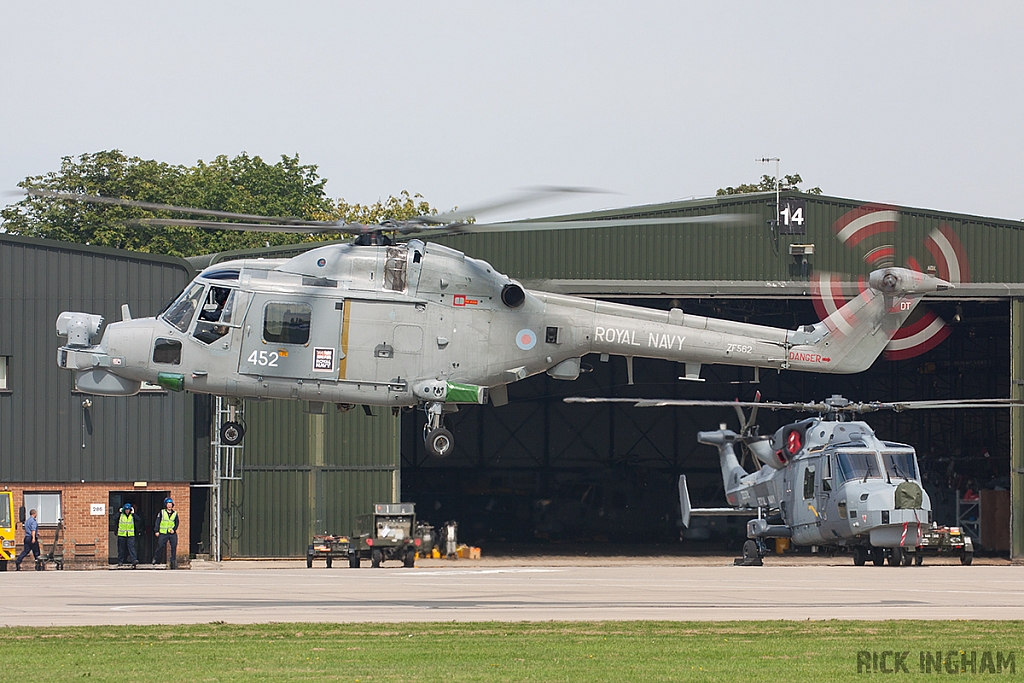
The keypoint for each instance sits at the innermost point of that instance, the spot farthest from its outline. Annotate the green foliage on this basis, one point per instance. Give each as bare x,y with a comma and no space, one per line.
767,184
402,207
242,184
775,651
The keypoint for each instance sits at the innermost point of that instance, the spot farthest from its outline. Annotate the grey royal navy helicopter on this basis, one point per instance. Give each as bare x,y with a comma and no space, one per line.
382,322
825,481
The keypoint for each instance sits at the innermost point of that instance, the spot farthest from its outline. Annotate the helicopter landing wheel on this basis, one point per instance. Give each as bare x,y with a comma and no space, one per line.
751,553
860,555
896,557
439,442
231,433
877,557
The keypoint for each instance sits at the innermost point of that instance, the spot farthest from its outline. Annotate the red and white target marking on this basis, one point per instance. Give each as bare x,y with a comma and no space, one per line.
948,252
871,219
854,227
830,299
914,339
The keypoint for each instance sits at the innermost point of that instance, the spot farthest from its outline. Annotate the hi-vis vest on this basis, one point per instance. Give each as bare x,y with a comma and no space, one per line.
126,525
167,521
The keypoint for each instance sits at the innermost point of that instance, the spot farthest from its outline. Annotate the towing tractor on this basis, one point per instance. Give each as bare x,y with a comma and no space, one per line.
390,533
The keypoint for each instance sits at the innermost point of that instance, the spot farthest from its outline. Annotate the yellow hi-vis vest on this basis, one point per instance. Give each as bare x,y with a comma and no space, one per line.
167,521
126,525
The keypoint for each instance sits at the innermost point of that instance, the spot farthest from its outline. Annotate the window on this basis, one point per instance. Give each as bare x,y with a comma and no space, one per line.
46,505
181,311
4,361
900,465
167,351
857,465
396,268
287,323
5,510
224,309
809,482
221,274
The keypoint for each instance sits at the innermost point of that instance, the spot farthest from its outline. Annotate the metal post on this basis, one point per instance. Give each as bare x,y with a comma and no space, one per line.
1016,430
765,160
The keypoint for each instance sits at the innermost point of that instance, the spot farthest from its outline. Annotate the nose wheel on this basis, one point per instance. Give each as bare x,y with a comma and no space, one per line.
438,440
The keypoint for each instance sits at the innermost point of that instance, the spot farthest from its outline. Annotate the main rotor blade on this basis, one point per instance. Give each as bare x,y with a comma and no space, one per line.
152,206
345,229
691,403
869,407
737,219
945,404
529,195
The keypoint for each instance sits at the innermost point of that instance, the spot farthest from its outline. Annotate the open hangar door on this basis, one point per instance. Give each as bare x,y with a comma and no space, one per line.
540,470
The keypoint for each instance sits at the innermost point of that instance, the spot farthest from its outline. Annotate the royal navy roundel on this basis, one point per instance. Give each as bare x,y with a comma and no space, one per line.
526,339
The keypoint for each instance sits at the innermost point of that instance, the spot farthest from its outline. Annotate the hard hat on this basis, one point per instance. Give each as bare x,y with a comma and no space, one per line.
127,506
168,500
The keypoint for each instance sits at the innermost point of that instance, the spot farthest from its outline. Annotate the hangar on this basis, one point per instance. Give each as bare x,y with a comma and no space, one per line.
540,470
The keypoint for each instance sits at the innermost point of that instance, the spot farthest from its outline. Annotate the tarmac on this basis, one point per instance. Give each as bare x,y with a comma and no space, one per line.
547,588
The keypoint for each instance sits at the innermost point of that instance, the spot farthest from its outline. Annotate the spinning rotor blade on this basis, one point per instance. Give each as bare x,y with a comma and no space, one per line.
526,226
151,206
343,228
528,195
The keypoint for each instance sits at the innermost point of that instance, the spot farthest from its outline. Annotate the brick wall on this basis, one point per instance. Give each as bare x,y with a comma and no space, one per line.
85,537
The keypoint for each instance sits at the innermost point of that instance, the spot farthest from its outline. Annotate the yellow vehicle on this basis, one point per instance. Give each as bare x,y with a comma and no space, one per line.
7,530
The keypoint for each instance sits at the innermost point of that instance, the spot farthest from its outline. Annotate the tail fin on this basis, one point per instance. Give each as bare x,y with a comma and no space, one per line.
852,337
724,439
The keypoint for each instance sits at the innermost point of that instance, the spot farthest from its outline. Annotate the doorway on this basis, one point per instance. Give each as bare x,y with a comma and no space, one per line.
147,505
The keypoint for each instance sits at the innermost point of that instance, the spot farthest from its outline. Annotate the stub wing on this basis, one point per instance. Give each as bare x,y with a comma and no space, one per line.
690,511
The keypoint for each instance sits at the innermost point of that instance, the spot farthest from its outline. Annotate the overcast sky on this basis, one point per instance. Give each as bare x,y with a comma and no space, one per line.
916,103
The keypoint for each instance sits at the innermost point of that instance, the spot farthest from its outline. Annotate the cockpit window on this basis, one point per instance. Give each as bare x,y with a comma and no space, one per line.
221,274
857,465
287,323
223,308
181,311
900,464
213,307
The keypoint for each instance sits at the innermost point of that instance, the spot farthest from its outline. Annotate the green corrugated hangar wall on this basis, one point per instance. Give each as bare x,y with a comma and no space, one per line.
307,473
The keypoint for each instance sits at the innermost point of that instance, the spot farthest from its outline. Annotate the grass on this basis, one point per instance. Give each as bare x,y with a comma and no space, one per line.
547,651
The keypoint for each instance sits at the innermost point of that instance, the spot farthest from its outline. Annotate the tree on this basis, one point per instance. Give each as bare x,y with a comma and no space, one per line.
767,184
242,184
402,207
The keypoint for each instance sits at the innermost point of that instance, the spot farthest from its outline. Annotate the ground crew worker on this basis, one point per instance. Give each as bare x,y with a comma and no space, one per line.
126,537
167,532
31,541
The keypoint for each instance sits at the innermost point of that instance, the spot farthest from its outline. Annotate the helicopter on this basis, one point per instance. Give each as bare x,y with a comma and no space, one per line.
825,481
391,320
